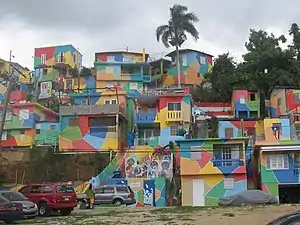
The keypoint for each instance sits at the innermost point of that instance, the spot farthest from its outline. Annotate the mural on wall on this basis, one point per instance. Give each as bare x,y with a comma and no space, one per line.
194,65
148,166
206,172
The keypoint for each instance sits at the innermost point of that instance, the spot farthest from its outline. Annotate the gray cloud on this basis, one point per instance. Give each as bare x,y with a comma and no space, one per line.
117,24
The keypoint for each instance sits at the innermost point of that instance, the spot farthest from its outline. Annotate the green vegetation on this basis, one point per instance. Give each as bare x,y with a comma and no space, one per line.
266,64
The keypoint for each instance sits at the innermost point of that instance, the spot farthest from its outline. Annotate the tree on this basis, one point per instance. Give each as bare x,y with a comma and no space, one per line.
265,65
175,32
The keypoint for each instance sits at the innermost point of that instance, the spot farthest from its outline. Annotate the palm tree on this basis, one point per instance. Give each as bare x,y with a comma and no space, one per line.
180,23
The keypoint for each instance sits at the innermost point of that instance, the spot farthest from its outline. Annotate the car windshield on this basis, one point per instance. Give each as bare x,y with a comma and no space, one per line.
14,196
64,189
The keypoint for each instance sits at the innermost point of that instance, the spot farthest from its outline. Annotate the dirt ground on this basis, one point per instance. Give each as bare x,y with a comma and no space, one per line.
248,215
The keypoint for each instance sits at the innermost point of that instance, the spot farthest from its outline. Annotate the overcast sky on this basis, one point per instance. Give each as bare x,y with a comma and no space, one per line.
104,25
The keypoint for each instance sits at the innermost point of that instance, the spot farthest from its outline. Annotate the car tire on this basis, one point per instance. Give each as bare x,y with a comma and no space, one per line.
43,209
65,212
118,201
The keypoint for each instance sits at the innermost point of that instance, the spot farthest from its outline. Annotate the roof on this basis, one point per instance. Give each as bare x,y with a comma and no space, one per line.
59,46
186,50
89,110
135,53
31,104
213,139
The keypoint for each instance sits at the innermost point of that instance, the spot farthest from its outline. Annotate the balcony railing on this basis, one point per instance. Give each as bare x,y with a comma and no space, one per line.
147,117
227,162
151,141
174,116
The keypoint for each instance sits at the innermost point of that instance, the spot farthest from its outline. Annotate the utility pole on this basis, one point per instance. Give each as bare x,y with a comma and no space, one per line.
6,101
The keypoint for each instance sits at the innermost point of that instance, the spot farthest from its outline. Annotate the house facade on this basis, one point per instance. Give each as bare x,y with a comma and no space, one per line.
245,104
211,169
51,66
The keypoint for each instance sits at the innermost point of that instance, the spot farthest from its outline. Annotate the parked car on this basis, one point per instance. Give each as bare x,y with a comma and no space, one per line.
10,212
51,197
114,194
288,219
29,207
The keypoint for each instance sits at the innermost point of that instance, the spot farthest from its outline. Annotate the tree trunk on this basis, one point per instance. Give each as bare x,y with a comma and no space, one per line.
178,65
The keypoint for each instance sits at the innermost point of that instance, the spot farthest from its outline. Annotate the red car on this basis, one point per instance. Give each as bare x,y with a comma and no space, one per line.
51,197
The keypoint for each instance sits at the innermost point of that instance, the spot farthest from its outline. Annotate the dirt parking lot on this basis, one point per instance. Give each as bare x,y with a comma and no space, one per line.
248,215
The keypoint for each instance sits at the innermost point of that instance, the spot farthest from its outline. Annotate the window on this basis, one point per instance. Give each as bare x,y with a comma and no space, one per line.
122,190
22,132
252,97
196,152
64,189
24,114
242,99
277,162
36,189
5,135
60,57
110,58
52,127
108,190
133,86
73,122
226,157
109,69
85,101
174,130
25,190
228,132
74,57
43,59
101,121
46,189
279,101
37,131
229,183
44,71
109,84
202,60
296,97
174,106
8,116
184,60
110,102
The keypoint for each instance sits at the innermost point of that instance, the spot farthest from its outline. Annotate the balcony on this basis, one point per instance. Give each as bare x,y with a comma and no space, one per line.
227,162
146,117
174,116
151,141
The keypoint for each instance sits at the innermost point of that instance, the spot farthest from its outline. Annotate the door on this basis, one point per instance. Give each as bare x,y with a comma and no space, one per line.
107,196
198,192
149,193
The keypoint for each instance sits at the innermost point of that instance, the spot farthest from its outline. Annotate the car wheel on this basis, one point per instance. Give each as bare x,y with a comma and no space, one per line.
43,209
65,212
118,201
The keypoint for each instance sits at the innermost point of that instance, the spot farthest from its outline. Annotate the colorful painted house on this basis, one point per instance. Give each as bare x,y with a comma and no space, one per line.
205,110
162,115
212,168
245,104
127,70
193,65
52,65
29,124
